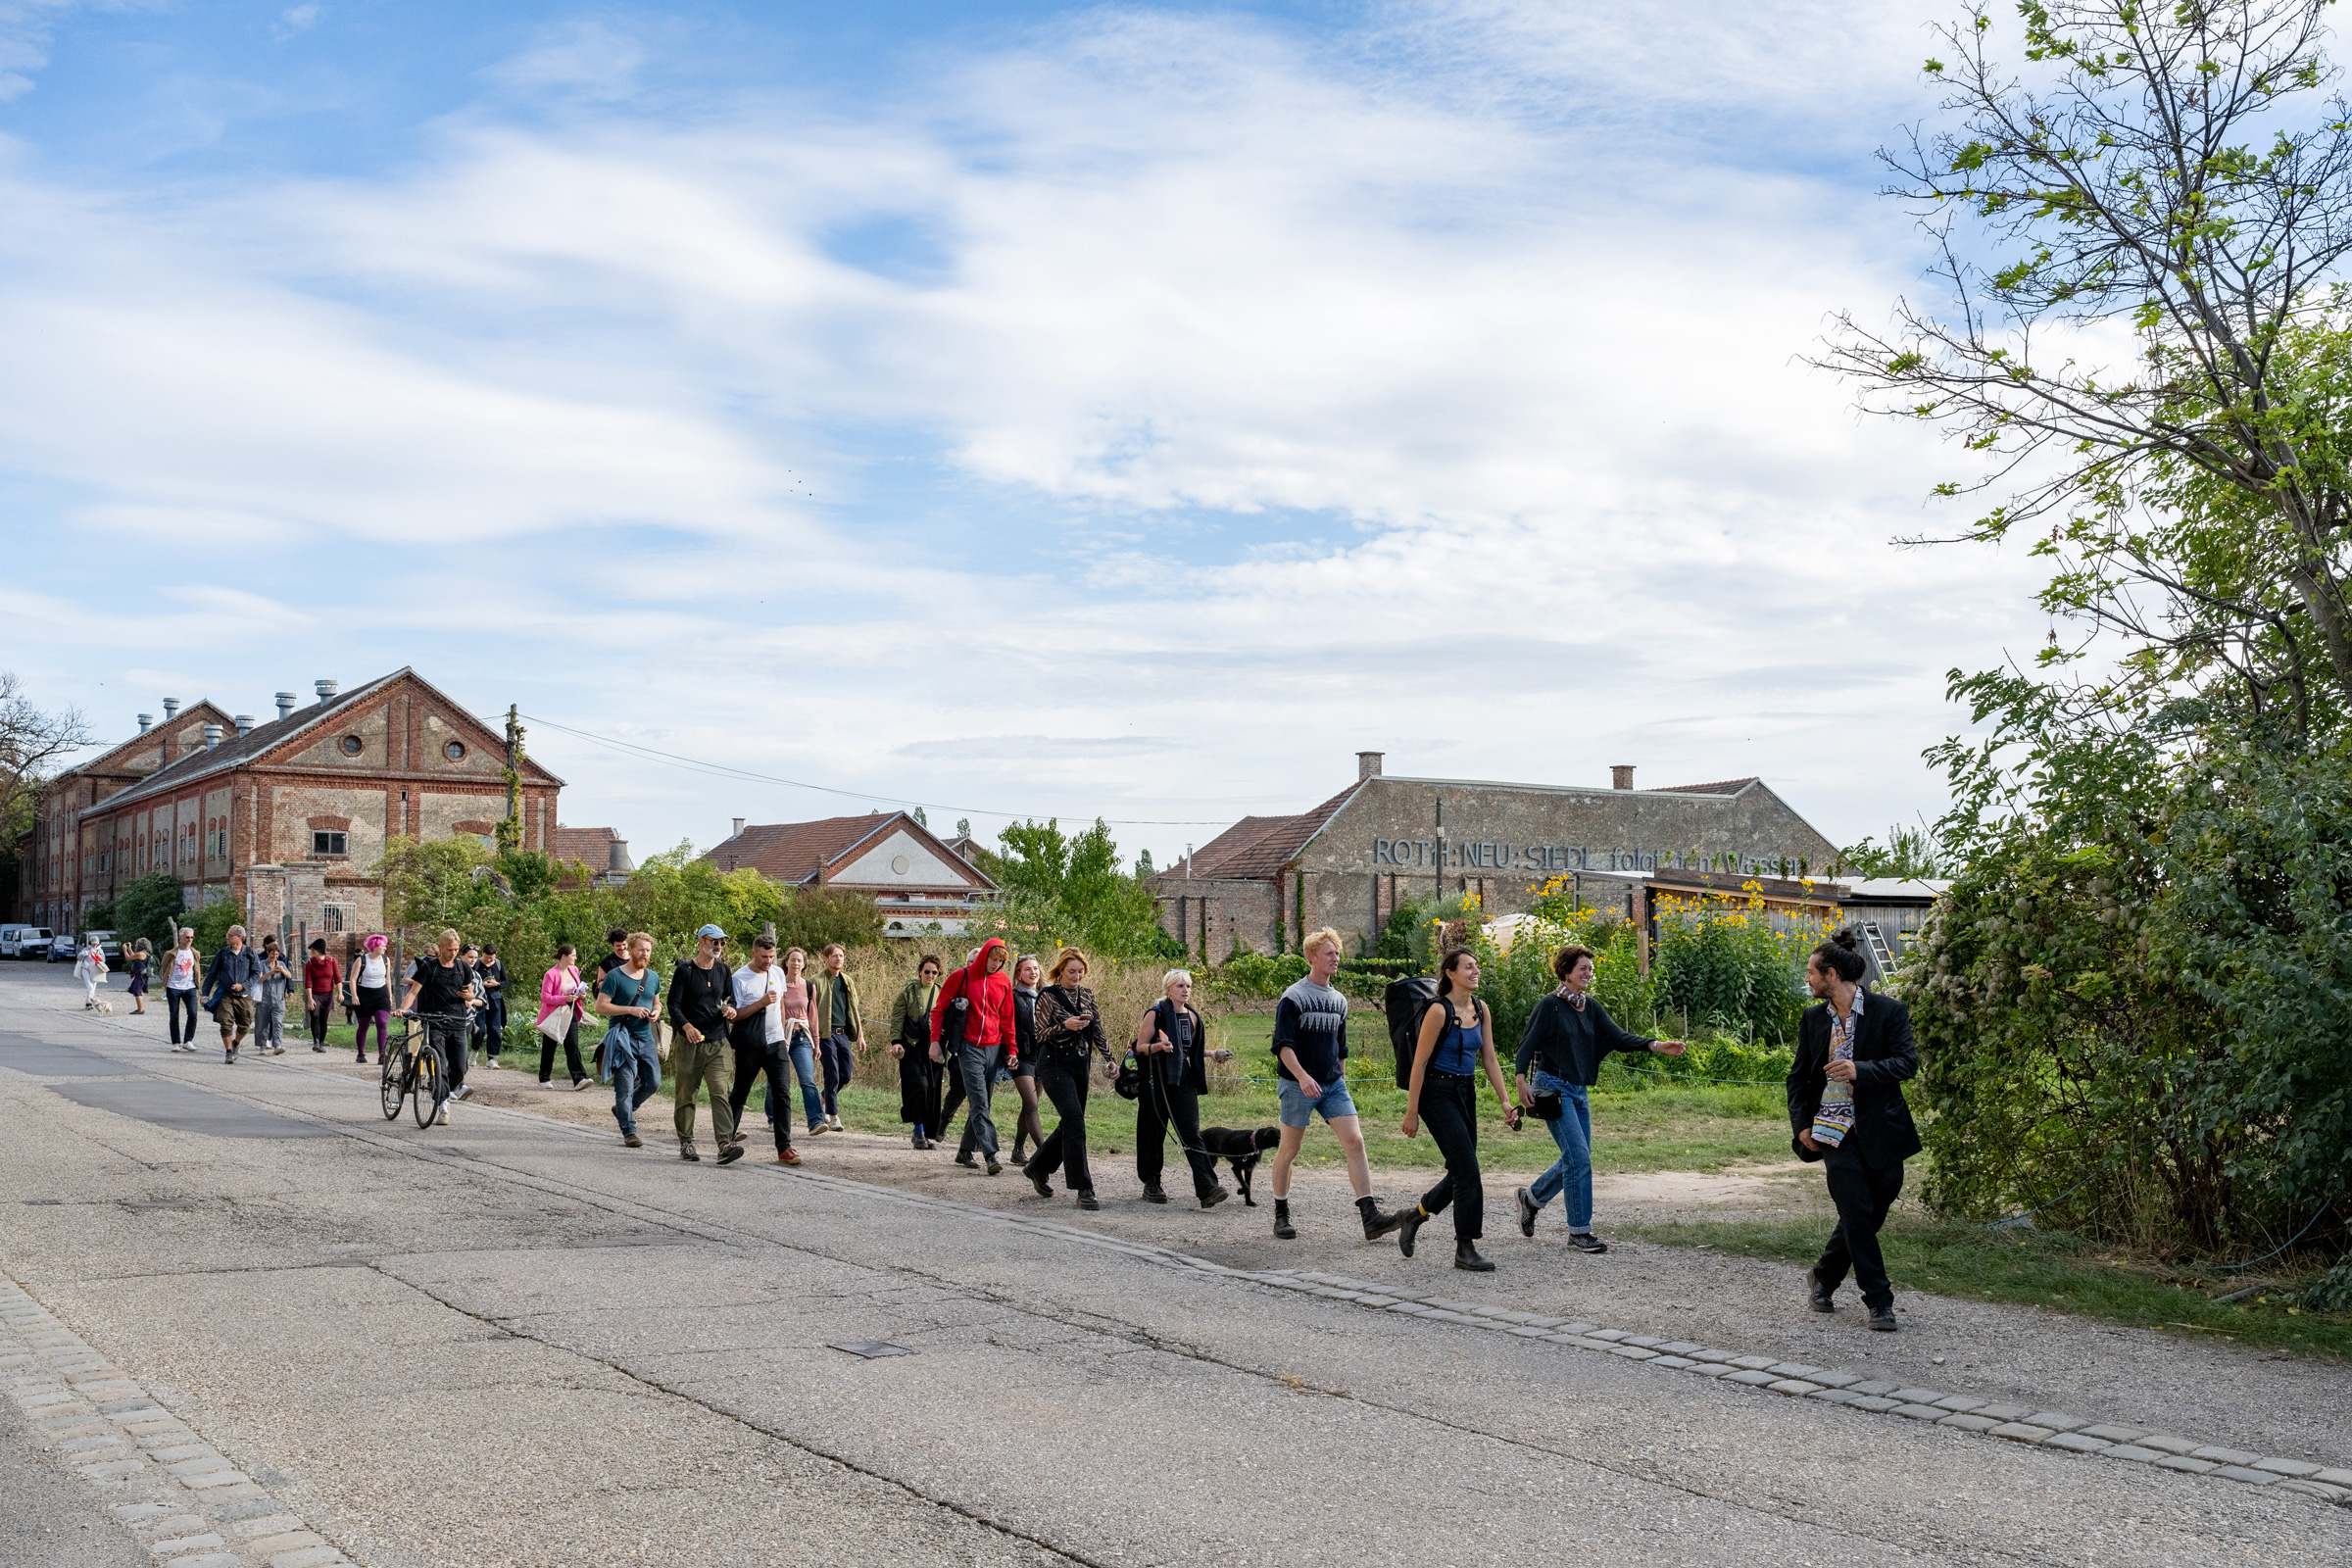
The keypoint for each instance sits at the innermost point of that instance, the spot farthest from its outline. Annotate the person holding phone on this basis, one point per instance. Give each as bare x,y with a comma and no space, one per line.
1068,1026
1456,1045
1563,1043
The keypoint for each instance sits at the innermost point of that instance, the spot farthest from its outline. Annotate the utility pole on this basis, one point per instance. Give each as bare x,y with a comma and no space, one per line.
510,831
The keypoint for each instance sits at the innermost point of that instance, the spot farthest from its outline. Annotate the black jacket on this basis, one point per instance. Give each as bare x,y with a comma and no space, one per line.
1183,1067
1883,1133
1569,1043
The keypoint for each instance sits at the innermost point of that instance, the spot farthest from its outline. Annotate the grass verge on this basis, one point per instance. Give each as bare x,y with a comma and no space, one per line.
2037,1268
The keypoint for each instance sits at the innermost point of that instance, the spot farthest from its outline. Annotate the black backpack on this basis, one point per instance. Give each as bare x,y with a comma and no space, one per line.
1405,1002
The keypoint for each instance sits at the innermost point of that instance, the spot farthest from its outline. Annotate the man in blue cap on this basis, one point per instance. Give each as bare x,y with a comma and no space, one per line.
701,993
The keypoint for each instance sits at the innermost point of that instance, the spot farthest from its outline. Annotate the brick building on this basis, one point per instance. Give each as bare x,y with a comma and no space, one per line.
1387,840
288,817
50,890
915,878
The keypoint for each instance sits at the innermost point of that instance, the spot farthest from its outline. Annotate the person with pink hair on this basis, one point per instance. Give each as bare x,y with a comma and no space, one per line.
372,984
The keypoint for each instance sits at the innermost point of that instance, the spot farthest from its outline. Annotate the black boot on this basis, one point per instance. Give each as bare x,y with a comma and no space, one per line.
1282,1221
1377,1223
1409,1226
1465,1257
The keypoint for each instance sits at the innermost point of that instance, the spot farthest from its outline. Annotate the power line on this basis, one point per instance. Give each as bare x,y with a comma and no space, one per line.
723,770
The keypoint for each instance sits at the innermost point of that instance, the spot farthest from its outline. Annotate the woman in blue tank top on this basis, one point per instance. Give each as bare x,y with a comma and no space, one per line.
1456,1043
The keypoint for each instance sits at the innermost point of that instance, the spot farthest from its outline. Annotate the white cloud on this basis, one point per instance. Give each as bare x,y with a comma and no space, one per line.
300,19
1527,350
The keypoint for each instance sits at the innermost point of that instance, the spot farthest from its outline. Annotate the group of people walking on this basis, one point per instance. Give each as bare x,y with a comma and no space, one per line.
956,1035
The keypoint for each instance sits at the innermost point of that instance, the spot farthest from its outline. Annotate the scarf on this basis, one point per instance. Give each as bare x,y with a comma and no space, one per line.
1835,1117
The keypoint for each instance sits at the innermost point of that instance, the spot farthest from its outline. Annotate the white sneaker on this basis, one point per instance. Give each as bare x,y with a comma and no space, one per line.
441,1119
834,1123
464,1090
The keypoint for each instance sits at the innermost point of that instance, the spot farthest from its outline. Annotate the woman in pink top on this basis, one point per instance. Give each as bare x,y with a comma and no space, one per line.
800,1032
560,991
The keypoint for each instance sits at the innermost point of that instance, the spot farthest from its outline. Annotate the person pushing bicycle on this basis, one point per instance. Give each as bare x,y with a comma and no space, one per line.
445,987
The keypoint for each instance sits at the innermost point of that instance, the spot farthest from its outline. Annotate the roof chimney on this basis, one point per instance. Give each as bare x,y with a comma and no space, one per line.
171,709
145,721
285,705
738,833
212,736
326,690
1368,766
616,854
1621,777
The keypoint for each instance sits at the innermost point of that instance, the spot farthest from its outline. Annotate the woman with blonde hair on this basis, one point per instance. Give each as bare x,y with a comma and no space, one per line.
1068,1031
1172,1054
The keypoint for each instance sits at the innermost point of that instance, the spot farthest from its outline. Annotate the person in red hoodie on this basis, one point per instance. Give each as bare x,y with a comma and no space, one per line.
974,1014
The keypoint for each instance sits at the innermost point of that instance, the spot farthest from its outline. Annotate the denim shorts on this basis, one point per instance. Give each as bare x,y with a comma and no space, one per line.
1298,1110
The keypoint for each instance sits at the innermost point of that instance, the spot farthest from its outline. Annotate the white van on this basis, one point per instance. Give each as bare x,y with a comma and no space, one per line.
25,941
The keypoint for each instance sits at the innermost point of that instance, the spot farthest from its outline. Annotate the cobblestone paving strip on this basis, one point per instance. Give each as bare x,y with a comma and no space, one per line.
189,1505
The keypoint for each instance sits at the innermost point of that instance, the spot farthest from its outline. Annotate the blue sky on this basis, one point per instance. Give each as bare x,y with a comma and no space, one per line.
1118,410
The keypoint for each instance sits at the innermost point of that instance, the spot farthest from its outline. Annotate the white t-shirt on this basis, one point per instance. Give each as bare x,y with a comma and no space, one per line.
751,985
183,970
375,971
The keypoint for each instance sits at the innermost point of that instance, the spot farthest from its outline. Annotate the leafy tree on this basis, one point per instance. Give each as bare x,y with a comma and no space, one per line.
148,908
1060,888
1910,852
2170,172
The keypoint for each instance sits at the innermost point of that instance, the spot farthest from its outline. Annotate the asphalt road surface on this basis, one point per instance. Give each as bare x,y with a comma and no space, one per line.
510,1340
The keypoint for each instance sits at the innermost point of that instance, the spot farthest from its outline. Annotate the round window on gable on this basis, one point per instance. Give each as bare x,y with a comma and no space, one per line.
900,864
353,746
454,751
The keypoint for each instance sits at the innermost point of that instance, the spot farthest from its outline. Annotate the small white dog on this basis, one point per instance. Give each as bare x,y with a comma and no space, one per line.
105,1006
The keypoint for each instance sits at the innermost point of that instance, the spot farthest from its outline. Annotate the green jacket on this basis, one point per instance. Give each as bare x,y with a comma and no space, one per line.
910,1015
826,1024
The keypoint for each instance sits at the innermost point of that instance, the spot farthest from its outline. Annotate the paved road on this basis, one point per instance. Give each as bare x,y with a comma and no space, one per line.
510,1342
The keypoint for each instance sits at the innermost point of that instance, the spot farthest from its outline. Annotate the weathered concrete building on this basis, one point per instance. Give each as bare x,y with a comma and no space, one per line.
913,877
289,817
1388,840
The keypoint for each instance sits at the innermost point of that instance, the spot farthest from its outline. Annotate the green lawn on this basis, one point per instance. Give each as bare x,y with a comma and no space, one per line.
2038,1268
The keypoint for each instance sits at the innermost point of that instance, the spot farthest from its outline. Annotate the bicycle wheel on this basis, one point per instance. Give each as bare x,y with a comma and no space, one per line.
432,1084
395,1083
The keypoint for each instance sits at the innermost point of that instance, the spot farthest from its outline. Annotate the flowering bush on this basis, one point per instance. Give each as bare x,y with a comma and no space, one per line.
1733,967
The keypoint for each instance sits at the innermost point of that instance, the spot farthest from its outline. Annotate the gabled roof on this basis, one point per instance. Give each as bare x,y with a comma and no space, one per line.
107,763
1729,786
796,852
236,751
1260,845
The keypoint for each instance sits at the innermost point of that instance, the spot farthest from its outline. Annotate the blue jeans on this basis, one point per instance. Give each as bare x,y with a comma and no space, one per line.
636,1073
1572,1172
804,1067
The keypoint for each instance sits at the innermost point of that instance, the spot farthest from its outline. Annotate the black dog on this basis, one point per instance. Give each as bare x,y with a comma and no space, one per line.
1239,1149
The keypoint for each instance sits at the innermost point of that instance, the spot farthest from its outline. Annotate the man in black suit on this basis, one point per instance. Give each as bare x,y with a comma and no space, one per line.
1845,1104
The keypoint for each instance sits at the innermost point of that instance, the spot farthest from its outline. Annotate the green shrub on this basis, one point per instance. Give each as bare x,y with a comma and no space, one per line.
1731,968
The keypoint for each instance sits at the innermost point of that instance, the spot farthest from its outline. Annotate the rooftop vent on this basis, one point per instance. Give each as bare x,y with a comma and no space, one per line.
171,709
212,736
738,833
244,724
1621,777
146,722
326,690
1368,766
285,705
617,855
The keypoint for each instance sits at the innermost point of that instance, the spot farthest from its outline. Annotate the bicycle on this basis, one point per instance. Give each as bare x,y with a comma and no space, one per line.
415,1066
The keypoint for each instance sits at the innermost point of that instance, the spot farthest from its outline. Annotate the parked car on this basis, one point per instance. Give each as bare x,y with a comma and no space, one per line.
62,952
25,941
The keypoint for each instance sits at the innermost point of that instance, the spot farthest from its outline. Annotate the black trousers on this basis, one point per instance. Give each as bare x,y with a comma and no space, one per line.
1449,1109
1863,1196
1160,1107
756,1054
571,1052
951,1076
174,1000
491,1022
321,1011
1064,1082
920,1084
